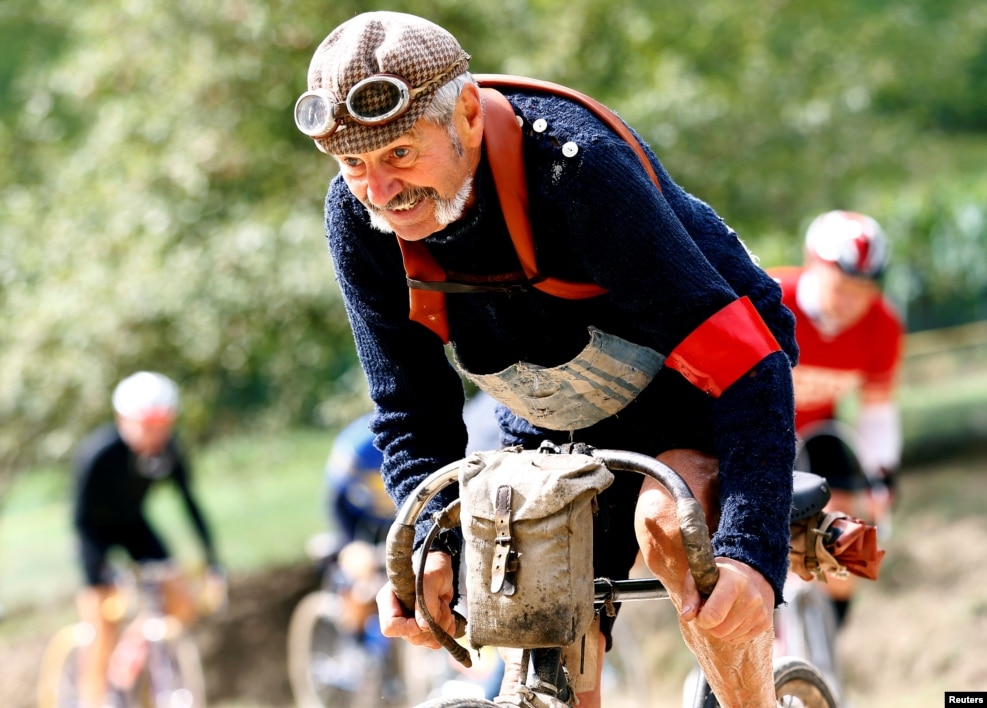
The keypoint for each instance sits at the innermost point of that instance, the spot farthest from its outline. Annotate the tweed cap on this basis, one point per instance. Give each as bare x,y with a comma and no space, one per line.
371,43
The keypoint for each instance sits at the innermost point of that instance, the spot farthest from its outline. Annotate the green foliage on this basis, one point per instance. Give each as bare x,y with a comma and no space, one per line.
163,223
159,210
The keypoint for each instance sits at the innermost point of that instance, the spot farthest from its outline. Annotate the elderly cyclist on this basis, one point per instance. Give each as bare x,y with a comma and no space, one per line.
115,468
594,280
850,339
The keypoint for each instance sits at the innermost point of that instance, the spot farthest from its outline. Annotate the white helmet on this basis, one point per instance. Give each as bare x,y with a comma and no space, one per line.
146,396
855,242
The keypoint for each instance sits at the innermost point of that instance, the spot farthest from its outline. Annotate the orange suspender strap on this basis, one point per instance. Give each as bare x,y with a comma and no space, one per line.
601,111
504,151
426,307
723,348
502,136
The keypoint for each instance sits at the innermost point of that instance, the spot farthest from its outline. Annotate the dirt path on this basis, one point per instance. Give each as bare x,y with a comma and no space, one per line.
915,633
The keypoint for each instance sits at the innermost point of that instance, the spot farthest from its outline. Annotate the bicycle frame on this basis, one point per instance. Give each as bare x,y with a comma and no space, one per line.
167,673
170,673
545,683
544,675
806,627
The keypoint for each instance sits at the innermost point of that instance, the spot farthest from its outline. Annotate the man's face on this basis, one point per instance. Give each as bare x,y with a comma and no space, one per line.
421,182
145,438
843,298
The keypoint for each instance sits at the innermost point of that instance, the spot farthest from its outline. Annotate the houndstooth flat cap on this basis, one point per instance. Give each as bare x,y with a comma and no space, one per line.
383,43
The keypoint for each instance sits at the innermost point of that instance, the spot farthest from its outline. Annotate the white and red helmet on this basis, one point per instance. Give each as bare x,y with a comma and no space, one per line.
855,242
147,396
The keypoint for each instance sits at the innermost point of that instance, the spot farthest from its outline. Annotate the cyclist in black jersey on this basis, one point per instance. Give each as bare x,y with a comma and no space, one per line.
114,469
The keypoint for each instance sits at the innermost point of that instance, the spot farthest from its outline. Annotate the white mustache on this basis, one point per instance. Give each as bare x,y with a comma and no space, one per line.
406,199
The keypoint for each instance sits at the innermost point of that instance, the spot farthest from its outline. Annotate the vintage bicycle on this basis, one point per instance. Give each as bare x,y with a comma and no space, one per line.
155,664
547,681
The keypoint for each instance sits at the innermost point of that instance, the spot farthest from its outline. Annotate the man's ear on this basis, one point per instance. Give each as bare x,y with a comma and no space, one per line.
469,116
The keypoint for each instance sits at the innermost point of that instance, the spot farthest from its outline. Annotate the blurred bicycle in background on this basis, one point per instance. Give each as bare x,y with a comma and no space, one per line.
155,663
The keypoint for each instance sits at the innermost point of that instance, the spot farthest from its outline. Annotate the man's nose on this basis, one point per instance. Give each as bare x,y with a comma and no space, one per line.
382,185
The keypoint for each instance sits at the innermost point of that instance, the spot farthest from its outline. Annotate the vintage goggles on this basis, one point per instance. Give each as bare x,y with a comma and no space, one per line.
376,100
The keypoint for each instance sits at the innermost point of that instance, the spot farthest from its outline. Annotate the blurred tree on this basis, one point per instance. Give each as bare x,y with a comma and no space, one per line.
163,214
158,209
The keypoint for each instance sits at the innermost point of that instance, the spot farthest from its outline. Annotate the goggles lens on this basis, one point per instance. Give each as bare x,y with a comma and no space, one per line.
313,114
378,99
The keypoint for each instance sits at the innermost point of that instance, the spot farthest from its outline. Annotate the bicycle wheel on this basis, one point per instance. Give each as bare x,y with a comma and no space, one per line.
799,683
328,666
58,674
806,627
174,674
457,703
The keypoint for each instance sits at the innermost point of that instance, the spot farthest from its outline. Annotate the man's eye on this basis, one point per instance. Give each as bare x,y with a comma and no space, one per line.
402,153
351,162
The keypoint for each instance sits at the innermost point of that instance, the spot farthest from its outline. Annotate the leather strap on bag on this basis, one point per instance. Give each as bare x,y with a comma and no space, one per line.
503,141
504,562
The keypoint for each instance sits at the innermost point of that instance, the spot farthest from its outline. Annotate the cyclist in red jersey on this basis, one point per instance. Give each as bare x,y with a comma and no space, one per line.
850,341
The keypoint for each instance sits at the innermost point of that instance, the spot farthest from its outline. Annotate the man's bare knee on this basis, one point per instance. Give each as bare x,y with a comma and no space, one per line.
655,519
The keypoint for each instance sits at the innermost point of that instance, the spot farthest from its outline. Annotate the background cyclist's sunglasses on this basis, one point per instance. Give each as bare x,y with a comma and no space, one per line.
376,100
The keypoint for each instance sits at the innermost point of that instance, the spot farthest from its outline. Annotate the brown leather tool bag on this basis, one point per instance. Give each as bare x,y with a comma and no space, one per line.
527,520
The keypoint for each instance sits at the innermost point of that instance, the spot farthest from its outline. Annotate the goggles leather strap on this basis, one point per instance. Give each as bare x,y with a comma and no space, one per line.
723,348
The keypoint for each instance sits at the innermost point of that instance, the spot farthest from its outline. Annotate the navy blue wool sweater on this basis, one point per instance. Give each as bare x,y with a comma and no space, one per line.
667,261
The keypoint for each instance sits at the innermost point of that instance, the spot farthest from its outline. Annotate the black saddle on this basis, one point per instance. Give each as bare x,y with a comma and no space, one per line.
810,495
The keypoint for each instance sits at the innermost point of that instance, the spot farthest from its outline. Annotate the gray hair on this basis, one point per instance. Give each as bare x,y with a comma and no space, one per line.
443,103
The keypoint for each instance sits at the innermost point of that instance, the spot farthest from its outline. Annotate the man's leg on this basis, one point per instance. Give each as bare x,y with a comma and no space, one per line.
739,674
841,590
95,661
178,599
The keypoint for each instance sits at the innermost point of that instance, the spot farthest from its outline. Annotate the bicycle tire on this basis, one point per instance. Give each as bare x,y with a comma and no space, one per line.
179,679
797,679
807,627
454,702
57,679
328,668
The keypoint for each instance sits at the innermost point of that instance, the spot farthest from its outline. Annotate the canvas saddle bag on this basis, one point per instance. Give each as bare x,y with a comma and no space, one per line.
527,522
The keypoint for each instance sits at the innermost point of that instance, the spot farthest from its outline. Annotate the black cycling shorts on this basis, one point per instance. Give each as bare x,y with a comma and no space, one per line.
138,539
829,456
